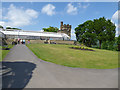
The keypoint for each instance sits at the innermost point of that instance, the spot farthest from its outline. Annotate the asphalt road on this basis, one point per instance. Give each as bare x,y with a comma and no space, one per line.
27,71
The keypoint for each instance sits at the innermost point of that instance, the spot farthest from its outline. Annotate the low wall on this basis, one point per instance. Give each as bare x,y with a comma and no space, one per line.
36,41
9,41
63,42
56,41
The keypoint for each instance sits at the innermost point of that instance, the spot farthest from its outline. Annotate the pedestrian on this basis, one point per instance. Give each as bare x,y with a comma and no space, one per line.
28,41
18,40
23,41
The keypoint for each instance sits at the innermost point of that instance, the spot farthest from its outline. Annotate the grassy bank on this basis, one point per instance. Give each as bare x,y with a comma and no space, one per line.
63,55
3,53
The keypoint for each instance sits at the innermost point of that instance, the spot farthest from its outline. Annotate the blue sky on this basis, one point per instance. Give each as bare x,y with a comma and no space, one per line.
38,15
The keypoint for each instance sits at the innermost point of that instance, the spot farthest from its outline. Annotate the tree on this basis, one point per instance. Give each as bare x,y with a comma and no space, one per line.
85,33
1,26
8,28
51,29
104,29
101,30
118,40
16,28
12,28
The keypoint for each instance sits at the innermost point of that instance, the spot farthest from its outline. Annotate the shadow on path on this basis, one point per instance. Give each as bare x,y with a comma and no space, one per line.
16,74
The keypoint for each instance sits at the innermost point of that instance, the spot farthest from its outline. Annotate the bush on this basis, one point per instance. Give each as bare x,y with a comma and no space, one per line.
86,48
77,47
82,47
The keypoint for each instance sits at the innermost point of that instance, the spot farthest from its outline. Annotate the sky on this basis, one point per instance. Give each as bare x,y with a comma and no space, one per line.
33,16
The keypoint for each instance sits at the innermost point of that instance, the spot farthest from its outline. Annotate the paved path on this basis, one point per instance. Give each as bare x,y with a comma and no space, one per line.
27,71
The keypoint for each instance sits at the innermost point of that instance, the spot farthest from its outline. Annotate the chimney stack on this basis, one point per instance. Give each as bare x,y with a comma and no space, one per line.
61,25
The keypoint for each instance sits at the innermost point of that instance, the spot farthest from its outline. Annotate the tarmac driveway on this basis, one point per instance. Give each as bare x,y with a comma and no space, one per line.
27,71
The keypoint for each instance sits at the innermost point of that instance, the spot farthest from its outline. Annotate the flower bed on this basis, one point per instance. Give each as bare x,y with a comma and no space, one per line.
82,48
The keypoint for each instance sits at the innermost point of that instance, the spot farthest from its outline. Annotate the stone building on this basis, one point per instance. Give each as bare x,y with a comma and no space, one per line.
65,28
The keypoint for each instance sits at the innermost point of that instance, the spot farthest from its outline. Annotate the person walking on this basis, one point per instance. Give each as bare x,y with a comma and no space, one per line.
28,41
18,40
23,41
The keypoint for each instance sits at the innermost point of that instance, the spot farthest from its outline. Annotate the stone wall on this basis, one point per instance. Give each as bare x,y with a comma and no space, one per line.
36,41
56,41
63,42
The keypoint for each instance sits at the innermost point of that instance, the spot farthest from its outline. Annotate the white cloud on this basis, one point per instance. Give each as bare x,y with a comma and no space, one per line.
86,6
86,0
73,36
0,13
32,13
117,29
2,23
17,17
71,9
83,6
115,19
115,15
48,9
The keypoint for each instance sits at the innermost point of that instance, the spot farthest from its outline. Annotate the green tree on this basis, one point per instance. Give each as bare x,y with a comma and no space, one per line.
101,30
85,33
104,29
51,29
1,26
8,28
16,28
118,40
12,28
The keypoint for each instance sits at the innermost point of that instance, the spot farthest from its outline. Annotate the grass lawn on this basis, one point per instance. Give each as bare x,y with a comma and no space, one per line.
3,53
63,55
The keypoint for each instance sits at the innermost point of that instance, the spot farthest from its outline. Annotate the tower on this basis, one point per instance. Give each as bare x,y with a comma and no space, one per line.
61,25
65,28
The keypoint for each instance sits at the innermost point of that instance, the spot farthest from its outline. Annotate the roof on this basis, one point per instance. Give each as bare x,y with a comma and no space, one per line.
36,33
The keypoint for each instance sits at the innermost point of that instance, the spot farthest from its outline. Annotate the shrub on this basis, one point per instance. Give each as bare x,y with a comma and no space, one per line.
77,47
86,48
82,47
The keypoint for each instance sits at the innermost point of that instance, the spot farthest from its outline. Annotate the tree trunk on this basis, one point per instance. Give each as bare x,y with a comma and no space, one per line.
100,42
118,47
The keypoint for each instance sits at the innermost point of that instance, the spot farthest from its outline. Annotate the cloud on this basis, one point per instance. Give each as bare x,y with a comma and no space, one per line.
0,13
86,0
16,17
71,9
116,19
32,13
117,26
2,23
83,6
73,36
117,29
48,9
115,15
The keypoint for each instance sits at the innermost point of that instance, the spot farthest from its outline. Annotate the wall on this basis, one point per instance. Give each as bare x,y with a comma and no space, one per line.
57,41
